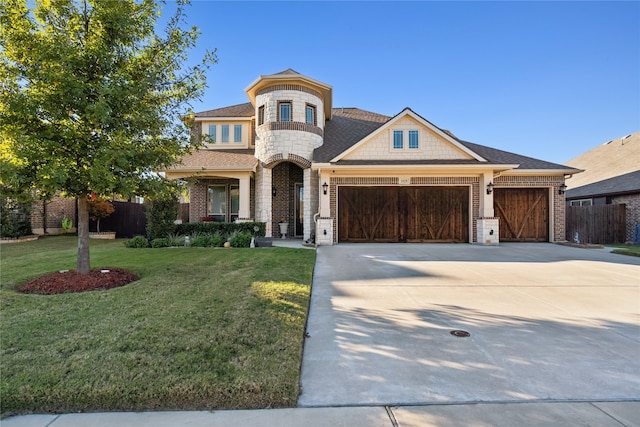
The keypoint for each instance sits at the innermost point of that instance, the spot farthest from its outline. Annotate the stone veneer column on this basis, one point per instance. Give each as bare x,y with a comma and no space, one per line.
310,201
264,198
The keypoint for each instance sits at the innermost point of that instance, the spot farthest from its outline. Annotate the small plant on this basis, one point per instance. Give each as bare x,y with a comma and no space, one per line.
240,239
217,241
175,239
67,224
137,242
160,242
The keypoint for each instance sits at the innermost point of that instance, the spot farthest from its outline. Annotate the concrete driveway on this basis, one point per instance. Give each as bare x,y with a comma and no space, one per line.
546,323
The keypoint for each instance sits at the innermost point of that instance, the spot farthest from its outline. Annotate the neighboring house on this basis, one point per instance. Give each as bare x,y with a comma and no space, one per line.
350,175
611,176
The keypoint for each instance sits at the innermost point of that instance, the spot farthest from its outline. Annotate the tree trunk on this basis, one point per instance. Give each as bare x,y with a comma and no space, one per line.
83,265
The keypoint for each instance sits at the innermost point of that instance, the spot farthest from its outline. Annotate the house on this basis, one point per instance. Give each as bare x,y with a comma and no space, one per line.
350,175
611,176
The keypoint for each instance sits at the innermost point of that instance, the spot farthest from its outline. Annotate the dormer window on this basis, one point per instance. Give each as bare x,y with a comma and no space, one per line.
212,133
398,140
225,133
284,111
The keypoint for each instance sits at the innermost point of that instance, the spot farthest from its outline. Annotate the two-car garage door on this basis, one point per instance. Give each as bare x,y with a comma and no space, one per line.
403,214
437,214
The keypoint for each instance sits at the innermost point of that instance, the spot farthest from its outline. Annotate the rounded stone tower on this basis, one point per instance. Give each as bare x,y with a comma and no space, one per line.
291,110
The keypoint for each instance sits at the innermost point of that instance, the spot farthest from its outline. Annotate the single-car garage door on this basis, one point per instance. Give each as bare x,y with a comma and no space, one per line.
403,214
523,213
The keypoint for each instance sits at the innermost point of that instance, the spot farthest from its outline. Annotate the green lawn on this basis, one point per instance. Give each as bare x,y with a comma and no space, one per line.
203,328
633,250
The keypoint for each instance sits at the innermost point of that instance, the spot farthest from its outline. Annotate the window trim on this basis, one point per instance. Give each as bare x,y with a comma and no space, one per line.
224,137
210,211
261,115
212,137
405,133
280,105
314,115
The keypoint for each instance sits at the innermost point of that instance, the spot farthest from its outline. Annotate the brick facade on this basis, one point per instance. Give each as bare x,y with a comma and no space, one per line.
556,203
632,201
46,217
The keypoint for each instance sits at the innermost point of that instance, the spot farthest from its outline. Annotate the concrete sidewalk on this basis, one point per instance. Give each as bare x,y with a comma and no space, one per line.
538,414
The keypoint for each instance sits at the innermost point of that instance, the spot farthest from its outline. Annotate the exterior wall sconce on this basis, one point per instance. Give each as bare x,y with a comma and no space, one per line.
562,189
325,187
273,191
489,188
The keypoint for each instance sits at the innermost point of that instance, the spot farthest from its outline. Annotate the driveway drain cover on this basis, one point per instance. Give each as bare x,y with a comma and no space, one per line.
460,334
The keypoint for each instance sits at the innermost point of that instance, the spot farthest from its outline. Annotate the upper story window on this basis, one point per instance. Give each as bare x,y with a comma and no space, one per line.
413,139
310,114
225,134
284,111
212,133
260,115
398,140
237,133
403,139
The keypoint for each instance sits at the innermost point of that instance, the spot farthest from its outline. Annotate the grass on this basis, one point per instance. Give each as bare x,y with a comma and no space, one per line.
632,250
203,328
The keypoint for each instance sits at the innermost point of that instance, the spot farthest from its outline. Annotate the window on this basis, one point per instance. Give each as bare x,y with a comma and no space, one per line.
212,133
225,133
260,115
217,202
398,143
413,139
237,133
582,202
310,114
284,111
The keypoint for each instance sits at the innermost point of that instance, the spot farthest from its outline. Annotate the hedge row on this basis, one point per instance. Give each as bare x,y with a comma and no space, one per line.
257,229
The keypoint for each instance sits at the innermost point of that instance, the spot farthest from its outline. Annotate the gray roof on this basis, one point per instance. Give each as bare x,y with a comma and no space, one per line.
623,184
348,126
239,110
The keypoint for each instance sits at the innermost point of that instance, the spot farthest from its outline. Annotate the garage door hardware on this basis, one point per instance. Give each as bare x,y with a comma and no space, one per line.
460,333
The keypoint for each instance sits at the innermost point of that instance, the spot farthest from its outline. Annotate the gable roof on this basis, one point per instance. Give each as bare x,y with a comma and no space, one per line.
616,157
408,112
623,184
351,125
239,110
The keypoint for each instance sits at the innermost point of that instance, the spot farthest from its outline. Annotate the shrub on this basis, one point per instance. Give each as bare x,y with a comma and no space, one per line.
161,214
160,242
175,239
240,239
15,219
201,241
137,242
217,240
225,228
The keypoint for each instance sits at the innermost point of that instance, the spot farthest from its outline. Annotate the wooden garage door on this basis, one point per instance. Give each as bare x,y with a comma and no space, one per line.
403,214
523,213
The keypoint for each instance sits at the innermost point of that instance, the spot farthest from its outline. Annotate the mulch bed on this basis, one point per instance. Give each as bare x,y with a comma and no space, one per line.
72,281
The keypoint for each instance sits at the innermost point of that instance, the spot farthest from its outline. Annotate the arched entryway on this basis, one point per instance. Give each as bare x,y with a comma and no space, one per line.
287,198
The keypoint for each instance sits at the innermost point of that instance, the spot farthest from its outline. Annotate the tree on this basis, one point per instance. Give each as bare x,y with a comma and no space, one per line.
99,208
92,98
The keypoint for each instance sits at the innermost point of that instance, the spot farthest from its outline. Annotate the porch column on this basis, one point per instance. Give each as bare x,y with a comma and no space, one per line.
487,226
245,198
264,198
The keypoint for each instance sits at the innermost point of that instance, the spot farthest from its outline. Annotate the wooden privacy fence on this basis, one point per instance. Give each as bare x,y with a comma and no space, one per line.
127,220
596,224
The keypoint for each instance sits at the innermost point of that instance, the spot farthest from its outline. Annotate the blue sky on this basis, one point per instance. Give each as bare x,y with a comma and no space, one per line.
549,80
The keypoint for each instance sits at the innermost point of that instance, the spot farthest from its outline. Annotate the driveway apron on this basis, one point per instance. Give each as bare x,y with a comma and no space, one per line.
546,322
